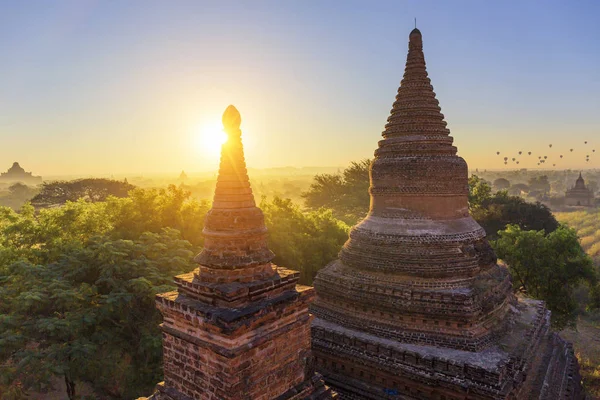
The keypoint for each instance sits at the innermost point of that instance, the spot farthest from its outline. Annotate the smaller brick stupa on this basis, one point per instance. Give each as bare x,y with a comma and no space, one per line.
238,327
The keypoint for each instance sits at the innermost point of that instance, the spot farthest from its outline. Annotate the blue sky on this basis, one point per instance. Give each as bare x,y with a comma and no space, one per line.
96,87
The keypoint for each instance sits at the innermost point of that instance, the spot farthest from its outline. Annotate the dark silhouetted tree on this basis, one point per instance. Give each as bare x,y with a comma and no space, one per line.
501,184
92,190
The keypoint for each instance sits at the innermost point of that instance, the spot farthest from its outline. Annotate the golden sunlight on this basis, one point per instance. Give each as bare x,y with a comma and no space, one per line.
210,138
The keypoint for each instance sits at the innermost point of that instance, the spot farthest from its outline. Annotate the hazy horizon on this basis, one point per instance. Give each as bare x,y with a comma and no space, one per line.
96,88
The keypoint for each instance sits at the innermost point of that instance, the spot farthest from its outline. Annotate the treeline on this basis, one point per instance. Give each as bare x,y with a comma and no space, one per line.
77,283
78,280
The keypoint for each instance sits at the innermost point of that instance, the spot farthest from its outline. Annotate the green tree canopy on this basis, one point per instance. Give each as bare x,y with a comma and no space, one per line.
77,287
90,315
304,241
547,267
345,193
495,211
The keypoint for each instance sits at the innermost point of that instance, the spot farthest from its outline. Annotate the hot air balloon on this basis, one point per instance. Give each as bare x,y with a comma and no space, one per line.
561,156
505,162
585,142
520,152
513,159
554,165
498,153
550,145
539,157
505,158
571,149
517,162
529,153
545,157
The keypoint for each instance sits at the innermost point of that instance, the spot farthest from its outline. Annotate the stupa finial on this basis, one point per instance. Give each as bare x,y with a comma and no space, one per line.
231,119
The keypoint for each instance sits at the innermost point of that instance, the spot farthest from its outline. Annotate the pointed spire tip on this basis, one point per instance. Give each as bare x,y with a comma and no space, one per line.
231,119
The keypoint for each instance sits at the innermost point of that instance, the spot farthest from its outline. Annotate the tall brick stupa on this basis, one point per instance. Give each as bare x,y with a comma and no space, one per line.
416,306
238,327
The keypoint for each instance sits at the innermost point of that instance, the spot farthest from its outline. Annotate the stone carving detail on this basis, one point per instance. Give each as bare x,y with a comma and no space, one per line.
238,327
416,306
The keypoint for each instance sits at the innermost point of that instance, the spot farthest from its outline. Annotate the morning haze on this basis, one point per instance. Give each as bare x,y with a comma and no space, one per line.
94,87
304,200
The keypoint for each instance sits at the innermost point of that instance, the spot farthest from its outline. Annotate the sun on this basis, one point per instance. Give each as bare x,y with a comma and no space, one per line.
210,138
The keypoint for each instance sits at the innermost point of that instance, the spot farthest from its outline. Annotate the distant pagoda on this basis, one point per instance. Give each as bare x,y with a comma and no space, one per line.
16,173
237,327
579,195
416,306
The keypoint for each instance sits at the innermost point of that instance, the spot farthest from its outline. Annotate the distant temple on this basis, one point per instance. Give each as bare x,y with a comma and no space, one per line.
416,306
579,195
16,173
238,327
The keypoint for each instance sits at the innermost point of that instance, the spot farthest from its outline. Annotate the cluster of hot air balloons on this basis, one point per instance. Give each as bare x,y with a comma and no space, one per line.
541,159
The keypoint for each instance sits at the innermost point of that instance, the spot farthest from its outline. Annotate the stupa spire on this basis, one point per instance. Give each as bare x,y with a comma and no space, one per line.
235,232
237,327
416,123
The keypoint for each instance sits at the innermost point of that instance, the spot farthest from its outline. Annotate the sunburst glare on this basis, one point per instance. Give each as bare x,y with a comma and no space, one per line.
210,138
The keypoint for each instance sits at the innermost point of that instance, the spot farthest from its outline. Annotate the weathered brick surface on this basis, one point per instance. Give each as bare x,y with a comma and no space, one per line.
238,327
416,306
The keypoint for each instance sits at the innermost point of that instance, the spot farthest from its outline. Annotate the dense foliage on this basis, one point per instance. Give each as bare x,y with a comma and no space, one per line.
77,285
494,212
548,267
345,193
77,282
302,241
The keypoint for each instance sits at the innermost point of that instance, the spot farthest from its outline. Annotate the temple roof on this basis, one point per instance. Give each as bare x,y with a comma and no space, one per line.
580,182
16,168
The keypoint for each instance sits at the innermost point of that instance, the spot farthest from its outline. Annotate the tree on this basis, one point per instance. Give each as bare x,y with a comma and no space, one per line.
92,190
501,184
90,315
479,191
540,184
495,211
19,189
77,287
303,241
547,267
517,189
345,193
150,210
